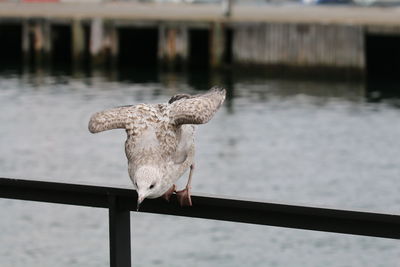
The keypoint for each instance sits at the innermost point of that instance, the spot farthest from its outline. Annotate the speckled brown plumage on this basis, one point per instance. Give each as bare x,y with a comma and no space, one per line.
160,137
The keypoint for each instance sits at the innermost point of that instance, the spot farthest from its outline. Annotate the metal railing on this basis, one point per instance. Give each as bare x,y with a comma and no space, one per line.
120,202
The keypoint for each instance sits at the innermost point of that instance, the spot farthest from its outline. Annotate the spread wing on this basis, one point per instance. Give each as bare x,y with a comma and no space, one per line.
113,118
197,109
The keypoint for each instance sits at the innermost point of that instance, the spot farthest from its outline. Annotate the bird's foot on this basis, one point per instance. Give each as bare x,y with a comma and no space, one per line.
167,195
184,198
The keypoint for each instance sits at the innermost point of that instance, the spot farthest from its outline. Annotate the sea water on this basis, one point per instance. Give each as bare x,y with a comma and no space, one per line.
298,141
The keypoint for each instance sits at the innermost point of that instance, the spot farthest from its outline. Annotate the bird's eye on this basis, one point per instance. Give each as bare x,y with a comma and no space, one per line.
151,186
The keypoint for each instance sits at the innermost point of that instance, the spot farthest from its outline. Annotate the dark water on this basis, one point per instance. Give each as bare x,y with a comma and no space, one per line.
333,144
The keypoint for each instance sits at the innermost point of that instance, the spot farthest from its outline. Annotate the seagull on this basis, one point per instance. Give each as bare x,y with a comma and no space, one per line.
160,140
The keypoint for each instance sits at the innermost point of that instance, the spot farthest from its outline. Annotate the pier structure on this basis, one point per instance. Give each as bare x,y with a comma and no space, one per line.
180,35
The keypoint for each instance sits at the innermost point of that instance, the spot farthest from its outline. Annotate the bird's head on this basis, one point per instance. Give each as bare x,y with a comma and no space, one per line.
147,180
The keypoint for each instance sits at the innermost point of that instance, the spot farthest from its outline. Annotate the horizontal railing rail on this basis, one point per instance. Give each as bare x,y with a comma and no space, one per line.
121,201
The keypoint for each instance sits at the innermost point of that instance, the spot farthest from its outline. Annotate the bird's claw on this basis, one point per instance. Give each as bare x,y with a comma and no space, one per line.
184,197
167,195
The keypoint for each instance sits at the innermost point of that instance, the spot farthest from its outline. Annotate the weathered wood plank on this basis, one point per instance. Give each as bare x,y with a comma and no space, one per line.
299,45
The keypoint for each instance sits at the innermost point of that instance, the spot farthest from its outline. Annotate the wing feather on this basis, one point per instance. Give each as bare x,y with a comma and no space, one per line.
197,109
112,118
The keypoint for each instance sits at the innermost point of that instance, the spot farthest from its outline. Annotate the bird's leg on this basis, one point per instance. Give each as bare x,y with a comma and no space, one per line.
184,195
167,195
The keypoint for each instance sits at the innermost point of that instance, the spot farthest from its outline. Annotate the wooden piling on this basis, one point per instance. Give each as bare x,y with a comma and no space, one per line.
114,45
161,44
38,43
39,34
217,45
173,46
26,43
78,43
182,45
97,42
47,41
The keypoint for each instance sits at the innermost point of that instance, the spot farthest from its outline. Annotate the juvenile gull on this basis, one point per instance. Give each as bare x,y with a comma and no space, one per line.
160,140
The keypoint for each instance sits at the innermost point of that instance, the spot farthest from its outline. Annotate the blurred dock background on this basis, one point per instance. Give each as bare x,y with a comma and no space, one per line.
313,38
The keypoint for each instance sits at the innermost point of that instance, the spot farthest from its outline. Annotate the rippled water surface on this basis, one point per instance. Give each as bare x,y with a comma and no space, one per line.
292,141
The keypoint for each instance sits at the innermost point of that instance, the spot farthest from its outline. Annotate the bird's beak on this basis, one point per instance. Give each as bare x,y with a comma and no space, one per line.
139,201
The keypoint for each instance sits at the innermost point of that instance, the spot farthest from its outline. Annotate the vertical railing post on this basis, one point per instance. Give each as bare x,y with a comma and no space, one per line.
120,234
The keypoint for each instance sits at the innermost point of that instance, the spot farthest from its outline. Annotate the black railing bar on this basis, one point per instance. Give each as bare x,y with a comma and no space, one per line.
104,191
311,218
308,218
93,189
65,186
